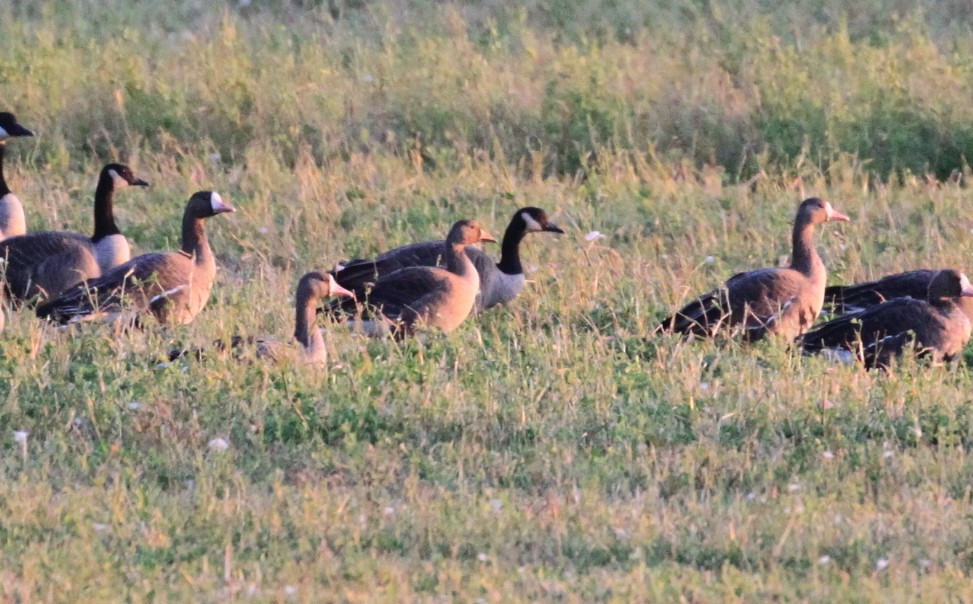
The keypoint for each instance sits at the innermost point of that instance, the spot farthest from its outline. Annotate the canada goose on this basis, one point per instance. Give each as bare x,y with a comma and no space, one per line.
844,299
173,286
311,289
423,296
783,301
12,221
46,263
500,282
874,336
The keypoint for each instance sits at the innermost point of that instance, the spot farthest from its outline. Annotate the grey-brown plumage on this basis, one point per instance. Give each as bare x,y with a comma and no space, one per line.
500,282
420,296
12,219
46,263
780,301
936,325
311,289
173,286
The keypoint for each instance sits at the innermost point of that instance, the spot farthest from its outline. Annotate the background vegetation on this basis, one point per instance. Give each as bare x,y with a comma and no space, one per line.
548,450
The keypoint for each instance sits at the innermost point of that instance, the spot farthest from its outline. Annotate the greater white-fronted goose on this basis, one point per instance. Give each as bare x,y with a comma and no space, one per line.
936,325
500,282
781,301
46,263
12,220
844,299
422,296
173,286
312,288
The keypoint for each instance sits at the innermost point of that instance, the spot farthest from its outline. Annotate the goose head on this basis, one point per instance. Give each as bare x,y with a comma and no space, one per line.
949,283
468,232
205,204
816,211
535,221
121,176
9,127
316,285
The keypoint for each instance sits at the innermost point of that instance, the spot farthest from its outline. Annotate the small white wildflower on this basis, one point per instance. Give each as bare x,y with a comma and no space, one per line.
99,527
827,455
710,260
215,158
704,386
368,77
219,445
389,511
882,564
824,560
133,406
482,557
496,505
290,590
263,230
887,454
925,562
751,496
793,487
20,436
591,236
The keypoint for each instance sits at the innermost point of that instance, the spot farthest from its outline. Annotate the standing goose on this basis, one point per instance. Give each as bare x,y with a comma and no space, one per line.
423,296
173,286
936,325
46,263
783,301
311,289
500,282
12,221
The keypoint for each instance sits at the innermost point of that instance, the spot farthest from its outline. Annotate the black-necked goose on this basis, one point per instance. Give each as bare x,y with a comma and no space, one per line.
173,286
844,299
423,296
46,263
500,282
311,289
782,301
12,220
936,325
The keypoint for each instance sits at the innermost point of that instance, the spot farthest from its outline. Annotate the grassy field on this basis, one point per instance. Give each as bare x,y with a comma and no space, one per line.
549,450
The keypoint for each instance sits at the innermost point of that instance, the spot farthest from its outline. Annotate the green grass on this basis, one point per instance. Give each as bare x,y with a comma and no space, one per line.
549,450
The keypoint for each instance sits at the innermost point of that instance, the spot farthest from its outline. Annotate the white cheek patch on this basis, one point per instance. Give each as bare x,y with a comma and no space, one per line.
4,135
216,202
120,183
532,225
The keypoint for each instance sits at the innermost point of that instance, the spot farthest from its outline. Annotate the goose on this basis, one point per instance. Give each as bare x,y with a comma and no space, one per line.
173,286
845,299
500,282
875,335
782,301
312,287
46,263
12,221
422,296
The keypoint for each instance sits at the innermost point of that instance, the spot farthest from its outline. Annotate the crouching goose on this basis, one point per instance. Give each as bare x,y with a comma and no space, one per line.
173,286
781,301
46,263
844,299
422,296
874,336
312,287
12,221
500,282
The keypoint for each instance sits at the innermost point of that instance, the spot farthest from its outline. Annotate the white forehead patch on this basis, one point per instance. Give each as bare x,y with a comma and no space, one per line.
964,282
532,225
120,183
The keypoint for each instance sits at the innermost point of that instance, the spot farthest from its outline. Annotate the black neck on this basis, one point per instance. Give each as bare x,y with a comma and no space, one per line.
104,209
4,189
510,248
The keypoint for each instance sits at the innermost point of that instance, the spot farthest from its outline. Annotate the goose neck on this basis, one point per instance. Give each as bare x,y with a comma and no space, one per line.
4,189
510,249
804,256
104,208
